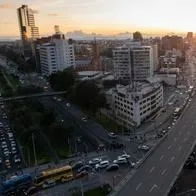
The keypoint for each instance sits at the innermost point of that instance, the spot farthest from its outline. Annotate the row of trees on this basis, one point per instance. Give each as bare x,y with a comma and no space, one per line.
30,117
23,65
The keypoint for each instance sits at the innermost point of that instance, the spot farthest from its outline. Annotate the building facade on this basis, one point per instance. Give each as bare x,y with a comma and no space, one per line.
56,55
28,30
131,107
133,62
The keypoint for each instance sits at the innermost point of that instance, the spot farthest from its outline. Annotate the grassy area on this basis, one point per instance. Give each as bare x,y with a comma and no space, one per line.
100,191
63,152
108,124
13,80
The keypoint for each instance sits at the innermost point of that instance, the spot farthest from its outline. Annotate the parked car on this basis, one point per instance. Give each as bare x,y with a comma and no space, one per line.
126,156
143,147
112,167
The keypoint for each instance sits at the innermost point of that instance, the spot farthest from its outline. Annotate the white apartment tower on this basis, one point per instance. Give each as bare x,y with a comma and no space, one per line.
56,55
133,62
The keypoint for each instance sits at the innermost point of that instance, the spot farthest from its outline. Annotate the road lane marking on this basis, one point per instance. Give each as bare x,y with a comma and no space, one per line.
169,147
163,172
179,148
138,186
153,187
172,159
161,157
151,170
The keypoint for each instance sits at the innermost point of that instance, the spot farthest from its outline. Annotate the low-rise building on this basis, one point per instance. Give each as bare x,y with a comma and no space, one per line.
132,106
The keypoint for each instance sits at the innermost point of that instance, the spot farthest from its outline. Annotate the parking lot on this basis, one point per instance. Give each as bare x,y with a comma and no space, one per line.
10,158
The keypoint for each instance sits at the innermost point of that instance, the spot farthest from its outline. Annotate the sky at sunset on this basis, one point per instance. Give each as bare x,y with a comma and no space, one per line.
102,16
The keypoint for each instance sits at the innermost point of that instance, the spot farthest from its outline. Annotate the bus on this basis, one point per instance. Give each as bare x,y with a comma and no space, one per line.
177,112
62,174
16,183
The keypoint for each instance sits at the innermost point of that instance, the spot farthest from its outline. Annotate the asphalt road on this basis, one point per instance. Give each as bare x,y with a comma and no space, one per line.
159,171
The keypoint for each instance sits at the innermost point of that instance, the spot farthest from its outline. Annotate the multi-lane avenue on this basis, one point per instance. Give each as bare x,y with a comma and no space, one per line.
158,173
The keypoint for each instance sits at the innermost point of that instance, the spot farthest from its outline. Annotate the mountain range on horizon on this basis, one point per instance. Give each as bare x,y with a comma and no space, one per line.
79,34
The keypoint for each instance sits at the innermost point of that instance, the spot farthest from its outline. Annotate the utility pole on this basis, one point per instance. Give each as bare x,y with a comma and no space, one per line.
82,190
33,141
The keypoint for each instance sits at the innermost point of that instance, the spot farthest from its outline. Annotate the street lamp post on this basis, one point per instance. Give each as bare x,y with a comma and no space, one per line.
82,189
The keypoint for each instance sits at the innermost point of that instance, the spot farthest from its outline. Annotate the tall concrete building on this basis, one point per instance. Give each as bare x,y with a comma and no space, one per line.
155,57
28,30
56,55
133,62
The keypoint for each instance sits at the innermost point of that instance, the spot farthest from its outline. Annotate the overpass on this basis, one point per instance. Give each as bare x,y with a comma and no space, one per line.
159,171
32,95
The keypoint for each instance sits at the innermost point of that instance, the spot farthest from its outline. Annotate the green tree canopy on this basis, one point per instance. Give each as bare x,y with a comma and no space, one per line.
62,80
88,95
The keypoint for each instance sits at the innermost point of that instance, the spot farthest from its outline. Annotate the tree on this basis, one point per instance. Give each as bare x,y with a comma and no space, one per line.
88,95
62,80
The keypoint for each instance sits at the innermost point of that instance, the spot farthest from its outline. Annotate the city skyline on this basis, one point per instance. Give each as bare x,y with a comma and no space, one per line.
98,16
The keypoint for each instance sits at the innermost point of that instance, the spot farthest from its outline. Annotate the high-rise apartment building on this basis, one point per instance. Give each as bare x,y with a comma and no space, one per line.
27,26
133,62
28,30
56,55
155,57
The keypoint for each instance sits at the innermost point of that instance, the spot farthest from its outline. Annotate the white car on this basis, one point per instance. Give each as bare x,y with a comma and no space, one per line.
120,160
84,119
94,161
68,104
102,164
126,156
143,147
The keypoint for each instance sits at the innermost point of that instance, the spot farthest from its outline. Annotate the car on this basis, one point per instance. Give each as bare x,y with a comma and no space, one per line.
112,135
4,146
120,160
48,184
31,190
102,164
126,156
77,165
95,161
173,123
143,147
85,168
14,151
112,167
163,131
17,160
68,105
81,174
84,119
